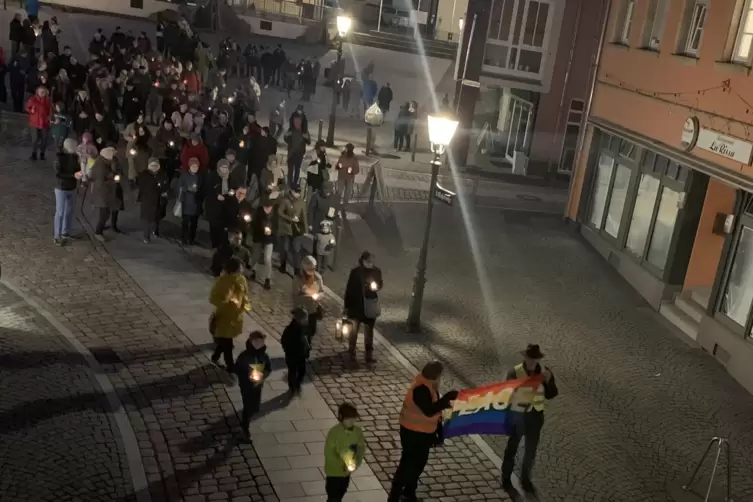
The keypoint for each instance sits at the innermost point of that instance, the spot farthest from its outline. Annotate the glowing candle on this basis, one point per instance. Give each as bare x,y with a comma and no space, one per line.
116,177
255,375
241,144
247,217
374,286
267,231
132,151
316,296
172,143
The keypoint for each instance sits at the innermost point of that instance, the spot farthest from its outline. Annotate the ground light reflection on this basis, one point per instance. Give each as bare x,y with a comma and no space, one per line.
460,188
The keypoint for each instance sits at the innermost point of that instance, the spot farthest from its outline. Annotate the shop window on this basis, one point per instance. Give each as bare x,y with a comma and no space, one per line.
643,214
664,228
738,293
601,189
617,200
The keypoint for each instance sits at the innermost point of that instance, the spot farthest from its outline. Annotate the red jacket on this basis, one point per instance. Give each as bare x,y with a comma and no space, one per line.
199,151
39,111
192,81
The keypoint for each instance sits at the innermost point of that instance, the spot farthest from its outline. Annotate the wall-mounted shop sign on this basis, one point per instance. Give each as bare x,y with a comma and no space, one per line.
695,136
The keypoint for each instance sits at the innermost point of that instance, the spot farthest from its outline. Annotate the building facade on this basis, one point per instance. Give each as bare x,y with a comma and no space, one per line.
534,77
663,186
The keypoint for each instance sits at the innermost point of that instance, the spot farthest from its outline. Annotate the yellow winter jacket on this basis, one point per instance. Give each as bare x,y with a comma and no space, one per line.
229,297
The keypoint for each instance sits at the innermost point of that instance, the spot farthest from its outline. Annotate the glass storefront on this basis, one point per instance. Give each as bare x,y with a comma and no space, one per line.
736,301
636,199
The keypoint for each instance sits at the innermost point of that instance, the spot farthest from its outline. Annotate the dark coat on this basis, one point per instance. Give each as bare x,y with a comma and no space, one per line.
295,342
104,132
356,289
233,211
250,390
213,189
105,191
82,125
225,252
261,221
16,31
65,171
190,193
153,191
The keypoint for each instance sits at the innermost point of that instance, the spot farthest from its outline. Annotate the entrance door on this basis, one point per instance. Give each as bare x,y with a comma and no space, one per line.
518,130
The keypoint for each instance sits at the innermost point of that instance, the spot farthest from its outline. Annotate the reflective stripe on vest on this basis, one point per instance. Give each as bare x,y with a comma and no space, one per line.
411,416
539,401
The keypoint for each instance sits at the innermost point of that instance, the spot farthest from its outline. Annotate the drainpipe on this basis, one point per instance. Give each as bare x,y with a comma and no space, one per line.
549,170
592,86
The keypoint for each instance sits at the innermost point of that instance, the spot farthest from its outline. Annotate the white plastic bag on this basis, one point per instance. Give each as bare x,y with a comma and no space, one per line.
374,115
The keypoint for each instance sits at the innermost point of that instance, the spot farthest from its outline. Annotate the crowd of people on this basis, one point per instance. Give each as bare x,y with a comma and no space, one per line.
162,125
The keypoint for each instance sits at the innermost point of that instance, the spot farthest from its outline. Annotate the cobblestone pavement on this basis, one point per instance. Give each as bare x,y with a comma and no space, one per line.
459,472
176,401
57,442
637,404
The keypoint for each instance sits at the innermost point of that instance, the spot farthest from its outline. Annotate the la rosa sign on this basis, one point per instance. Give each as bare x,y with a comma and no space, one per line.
694,136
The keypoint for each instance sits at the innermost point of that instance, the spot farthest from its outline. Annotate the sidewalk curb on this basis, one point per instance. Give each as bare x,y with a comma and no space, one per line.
483,445
117,414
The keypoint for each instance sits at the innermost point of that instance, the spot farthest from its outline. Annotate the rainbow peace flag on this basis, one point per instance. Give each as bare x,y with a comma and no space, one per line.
491,409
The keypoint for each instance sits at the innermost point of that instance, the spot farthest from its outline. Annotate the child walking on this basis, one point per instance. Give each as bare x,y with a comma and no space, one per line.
343,452
252,368
295,343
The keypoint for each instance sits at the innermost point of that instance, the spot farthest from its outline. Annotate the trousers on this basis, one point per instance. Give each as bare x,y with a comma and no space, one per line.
413,459
530,428
104,214
63,212
336,488
262,252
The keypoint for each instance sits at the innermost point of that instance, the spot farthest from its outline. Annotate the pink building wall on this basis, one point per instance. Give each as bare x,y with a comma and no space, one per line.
652,93
546,146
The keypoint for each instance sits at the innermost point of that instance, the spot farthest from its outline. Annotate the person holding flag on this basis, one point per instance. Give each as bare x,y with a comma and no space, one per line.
420,430
532,420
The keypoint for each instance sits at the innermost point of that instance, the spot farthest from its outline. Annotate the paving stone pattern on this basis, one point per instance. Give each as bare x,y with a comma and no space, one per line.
457,472
57,442
176,401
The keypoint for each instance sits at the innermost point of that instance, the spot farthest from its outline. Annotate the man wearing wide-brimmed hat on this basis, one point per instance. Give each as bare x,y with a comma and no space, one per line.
533,419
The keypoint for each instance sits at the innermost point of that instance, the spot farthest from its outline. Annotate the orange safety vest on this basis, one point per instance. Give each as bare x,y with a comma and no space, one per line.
411,416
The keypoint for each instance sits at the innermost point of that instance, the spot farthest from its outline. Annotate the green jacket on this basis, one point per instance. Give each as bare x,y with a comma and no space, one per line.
289,209
341,447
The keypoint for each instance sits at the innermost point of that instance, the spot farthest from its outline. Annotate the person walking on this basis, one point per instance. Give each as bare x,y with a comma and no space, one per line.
218,189
533,418
347,170
106,190
232,248
15,34
291,226
402,125
297,137
361,303
252,368
189,195
420,430
343,452
153,188
67,172
39,108
295,344
384,98
229,297
308,289
263,235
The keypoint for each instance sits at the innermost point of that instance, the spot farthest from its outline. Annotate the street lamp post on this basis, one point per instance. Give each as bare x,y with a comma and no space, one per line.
343,26
441,130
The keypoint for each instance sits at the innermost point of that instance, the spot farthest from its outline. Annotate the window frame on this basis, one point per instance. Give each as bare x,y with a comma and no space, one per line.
693,28
744,220
747,11
626,23
516,43
654,26
638,166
